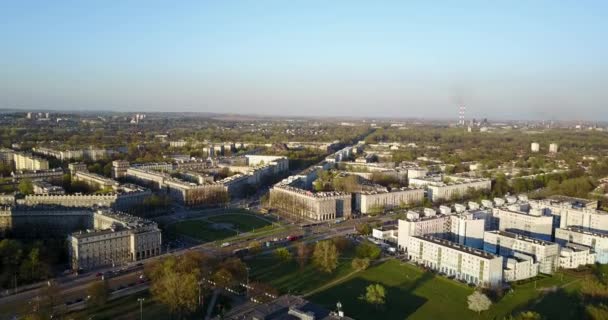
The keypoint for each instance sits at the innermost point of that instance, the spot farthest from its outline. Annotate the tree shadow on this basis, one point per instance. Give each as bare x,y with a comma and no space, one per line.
558,304
400,302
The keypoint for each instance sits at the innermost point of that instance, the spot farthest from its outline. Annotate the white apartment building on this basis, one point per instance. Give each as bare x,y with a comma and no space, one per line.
572,255
465,229
508,244
29,162
572,213
367,201
553,148
531,224
464,263
598,241
519,267
387,234
535,147
441,188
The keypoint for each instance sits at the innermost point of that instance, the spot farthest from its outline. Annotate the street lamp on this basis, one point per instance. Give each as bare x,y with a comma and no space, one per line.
141,308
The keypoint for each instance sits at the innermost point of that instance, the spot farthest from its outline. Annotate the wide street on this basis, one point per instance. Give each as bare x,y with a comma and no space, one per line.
74,287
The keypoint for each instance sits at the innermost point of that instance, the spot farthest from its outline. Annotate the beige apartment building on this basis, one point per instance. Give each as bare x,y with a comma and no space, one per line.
319,206
28,162
116,239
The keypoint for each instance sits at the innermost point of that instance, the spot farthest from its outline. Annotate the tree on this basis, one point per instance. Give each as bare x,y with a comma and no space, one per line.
222,278
341,243
368,250
175,286
303,254
26,186
325,256
363,229
255,247
98,293
360,264
283,254
479,302
375,294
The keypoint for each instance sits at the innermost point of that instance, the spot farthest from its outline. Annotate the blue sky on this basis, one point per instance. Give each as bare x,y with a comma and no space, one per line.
502,59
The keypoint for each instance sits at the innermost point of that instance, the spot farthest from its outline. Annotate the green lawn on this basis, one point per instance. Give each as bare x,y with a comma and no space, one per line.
414,294
199,229
410,294
242,222
289,277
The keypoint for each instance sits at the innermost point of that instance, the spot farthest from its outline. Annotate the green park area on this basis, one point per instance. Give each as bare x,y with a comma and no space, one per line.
199,230
412,293
220,226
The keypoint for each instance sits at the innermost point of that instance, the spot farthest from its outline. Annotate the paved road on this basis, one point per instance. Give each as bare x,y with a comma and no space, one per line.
75,287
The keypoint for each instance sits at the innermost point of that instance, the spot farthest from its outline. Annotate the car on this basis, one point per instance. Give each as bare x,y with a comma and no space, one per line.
225,244
140,264
99,274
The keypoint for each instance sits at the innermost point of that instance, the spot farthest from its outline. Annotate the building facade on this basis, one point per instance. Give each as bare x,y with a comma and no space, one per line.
598,241
367,201
508,244
28,162
464,263
116,239
320,206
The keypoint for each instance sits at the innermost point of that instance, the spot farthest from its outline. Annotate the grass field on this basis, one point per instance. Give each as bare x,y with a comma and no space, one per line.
199,229
289,277
202,228
244,223
413,293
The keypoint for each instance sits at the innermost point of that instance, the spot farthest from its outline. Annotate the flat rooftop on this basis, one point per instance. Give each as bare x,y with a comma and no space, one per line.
458,247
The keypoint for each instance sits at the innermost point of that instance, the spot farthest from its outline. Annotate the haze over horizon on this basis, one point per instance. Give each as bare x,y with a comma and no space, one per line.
508,60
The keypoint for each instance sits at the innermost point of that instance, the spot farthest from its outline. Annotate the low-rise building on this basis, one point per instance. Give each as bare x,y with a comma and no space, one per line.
368,201
77,166
572,256
464,263
43,187
95,180
387,234
508,244
598,241
52,175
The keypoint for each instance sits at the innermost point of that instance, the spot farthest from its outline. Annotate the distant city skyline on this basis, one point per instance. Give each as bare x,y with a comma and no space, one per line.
503,60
